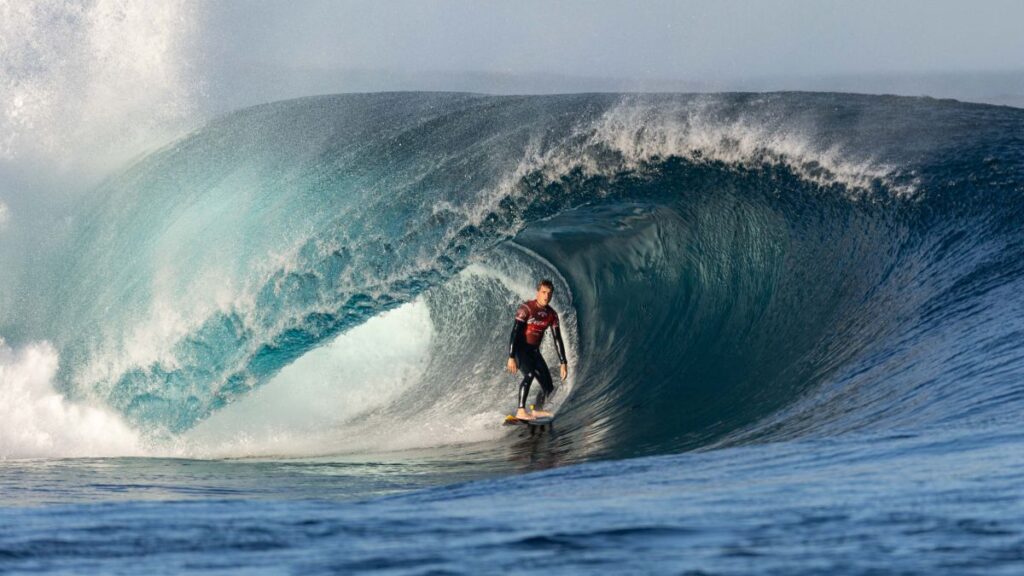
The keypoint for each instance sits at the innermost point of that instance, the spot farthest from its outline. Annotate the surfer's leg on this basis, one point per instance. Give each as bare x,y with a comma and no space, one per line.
543,375
524,389
526,363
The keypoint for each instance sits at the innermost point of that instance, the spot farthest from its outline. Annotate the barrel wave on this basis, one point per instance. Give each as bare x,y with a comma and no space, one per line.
731,269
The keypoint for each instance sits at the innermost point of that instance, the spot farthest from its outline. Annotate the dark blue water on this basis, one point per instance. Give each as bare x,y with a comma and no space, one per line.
894,504
276,345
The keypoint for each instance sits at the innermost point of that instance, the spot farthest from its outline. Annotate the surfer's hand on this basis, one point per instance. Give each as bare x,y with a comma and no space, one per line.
512,366
565,370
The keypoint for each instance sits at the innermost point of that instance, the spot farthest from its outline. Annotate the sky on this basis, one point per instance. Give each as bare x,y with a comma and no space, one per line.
967,50
691,40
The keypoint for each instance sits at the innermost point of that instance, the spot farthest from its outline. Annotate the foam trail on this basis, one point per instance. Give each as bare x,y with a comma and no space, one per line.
38,422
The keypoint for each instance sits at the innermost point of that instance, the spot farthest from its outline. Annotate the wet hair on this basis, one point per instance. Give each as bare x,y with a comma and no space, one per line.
546,282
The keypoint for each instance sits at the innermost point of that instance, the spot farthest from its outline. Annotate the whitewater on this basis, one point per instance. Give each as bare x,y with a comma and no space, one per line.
276,343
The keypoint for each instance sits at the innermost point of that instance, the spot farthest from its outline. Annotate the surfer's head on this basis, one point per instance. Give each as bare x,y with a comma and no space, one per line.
544,291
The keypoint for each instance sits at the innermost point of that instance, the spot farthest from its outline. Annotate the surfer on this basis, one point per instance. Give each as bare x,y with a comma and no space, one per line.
532,319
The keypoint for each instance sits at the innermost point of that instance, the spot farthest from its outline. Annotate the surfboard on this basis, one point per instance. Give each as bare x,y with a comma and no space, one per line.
542,421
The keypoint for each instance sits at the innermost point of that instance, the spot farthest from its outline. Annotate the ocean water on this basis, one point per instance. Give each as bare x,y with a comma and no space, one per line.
793,321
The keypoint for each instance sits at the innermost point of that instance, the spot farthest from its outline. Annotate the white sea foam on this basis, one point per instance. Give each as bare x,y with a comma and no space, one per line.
639,130
36,421
106,76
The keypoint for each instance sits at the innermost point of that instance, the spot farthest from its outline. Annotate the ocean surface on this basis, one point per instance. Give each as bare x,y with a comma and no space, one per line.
794,322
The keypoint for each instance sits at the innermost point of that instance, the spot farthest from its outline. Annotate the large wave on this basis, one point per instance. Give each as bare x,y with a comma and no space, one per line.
731,268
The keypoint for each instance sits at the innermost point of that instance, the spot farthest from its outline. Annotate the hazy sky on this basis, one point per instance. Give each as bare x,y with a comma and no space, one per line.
689,40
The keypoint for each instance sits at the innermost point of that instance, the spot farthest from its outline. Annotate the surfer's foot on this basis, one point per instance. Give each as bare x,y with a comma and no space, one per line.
522,414
541,413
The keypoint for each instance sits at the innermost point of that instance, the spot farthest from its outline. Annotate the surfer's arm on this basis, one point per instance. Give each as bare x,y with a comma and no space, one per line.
559,345
517,332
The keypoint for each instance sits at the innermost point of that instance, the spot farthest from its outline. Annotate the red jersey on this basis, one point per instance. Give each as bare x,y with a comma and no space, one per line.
537,319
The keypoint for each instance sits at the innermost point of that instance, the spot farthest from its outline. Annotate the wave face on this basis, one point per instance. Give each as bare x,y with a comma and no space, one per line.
731,268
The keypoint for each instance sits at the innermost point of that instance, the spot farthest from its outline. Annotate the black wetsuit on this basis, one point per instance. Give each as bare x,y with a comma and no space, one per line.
524,345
